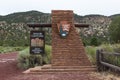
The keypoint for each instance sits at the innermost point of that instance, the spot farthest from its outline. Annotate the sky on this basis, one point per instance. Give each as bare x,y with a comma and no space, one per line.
80,7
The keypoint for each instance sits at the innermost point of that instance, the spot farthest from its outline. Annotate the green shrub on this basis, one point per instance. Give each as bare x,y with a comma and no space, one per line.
94,41
26,60
91,52
116,48
35,60
23,61
107,47
110,48
112,59
47,56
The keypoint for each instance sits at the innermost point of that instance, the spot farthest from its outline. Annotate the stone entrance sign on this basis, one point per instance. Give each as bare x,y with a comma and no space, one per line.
67,47
68,51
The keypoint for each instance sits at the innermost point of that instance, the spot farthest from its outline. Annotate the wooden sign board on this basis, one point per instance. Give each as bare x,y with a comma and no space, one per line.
37,42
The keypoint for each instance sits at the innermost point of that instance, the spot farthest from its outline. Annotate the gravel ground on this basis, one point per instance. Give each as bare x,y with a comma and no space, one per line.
9,71
8,66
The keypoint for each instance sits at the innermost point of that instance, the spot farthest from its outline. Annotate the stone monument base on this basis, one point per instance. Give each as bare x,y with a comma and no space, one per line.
59,69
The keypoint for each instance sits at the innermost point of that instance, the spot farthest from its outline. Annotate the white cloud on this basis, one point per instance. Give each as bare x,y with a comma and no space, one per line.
81,7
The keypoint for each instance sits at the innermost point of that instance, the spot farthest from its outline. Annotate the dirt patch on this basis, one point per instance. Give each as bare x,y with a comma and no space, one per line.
56,76
10,71
106,75
8,66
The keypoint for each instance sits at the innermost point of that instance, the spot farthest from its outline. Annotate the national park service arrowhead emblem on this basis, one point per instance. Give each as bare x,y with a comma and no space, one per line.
63,28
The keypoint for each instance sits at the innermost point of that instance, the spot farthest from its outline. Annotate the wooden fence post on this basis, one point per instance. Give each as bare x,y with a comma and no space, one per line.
101,55
98,60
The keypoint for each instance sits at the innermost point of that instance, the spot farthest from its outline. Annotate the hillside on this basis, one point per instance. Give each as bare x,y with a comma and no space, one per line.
15,32
114,16
24,17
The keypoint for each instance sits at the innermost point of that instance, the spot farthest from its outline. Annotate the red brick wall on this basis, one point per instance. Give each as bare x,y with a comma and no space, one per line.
69,51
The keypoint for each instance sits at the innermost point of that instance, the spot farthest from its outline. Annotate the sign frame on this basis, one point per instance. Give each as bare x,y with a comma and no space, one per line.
37,42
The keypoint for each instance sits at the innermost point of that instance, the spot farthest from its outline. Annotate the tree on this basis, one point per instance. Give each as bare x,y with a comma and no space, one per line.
114,30
94,41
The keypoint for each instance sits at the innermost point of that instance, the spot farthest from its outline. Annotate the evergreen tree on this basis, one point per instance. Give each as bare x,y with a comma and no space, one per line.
94,41
114,30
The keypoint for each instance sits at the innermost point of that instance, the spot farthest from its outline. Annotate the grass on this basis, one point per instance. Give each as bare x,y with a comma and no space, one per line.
91,52
10,49
112,59
115,60
23,61
48,54
106,75
26,60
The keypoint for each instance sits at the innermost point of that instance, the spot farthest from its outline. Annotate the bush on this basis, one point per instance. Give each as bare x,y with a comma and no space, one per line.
48,39
116,48
91,52
26,60
107,47
47,56
114,30
23,59
112,59
94,41
35,60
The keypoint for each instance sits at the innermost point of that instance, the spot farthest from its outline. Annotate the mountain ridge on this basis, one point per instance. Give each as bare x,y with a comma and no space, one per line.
15,32
23,16
50,13
40,17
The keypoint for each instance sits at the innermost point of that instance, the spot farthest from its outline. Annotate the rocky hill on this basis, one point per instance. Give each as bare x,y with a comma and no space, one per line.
98,24
24,17
15,32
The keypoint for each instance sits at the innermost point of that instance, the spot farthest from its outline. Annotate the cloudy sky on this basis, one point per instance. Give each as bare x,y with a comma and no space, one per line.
81,7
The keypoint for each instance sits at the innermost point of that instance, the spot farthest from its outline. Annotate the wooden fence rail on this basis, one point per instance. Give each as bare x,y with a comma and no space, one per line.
102,62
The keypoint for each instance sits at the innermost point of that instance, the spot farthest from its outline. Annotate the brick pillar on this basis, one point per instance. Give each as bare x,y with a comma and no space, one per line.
69,51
